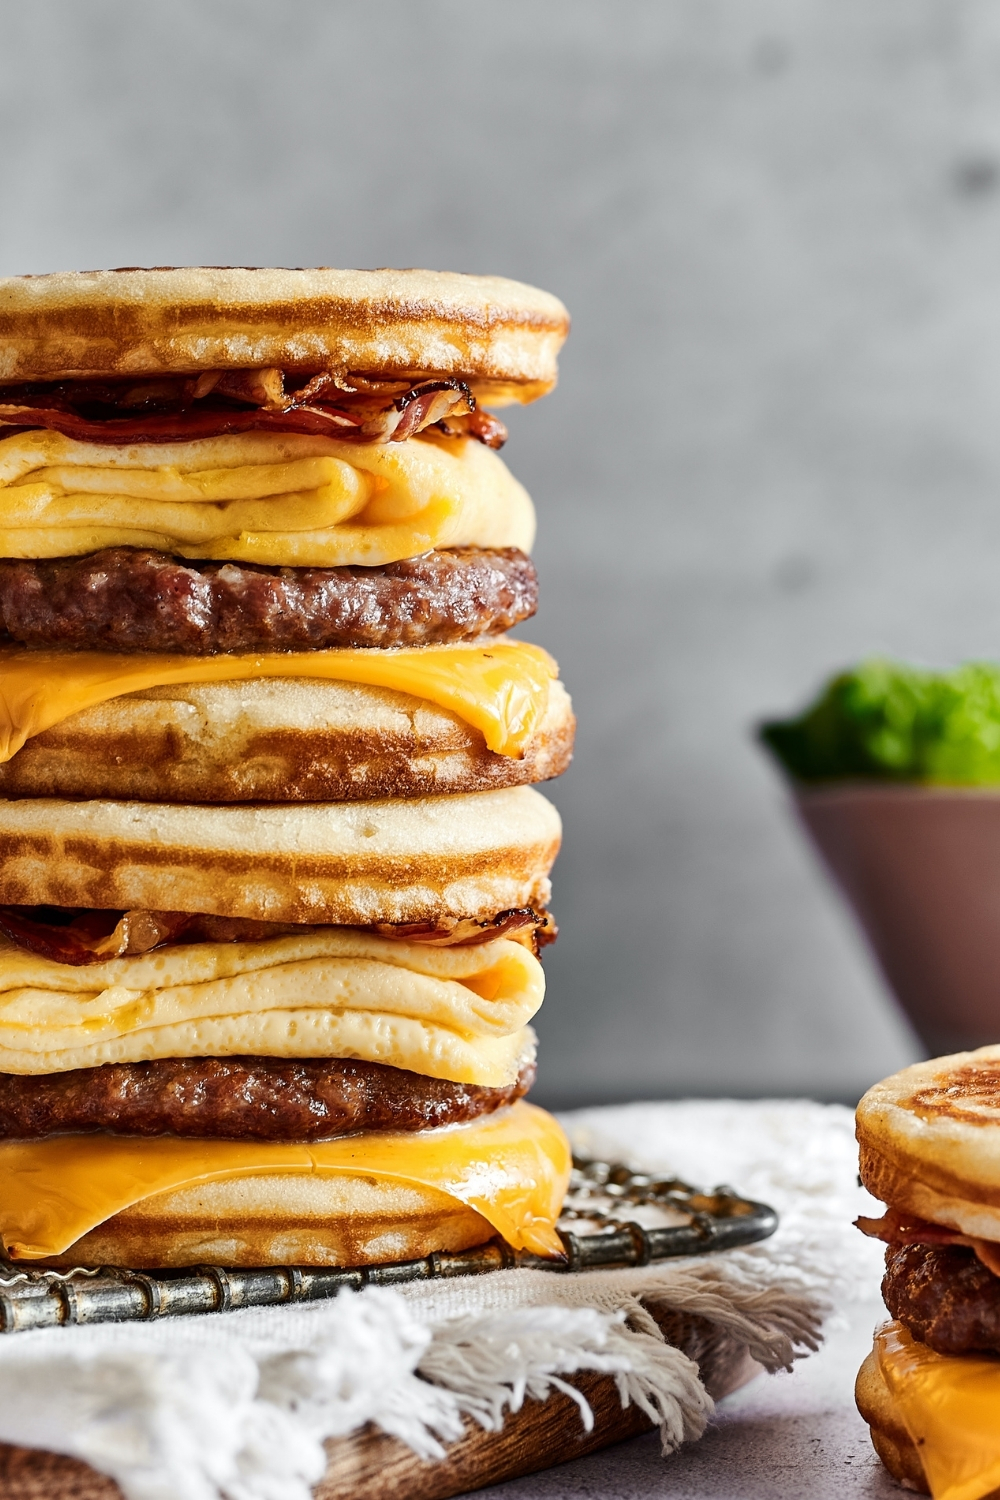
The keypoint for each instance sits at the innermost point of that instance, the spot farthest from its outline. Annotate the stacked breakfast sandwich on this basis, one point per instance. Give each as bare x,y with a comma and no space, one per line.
930,1389
274,876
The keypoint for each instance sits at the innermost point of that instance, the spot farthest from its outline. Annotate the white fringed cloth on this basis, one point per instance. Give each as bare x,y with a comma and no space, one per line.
237,1405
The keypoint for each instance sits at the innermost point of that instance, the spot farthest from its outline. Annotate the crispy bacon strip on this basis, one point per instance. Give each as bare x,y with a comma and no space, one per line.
479,424
171,428
897,1227
521,923
222,402
71,935
88,937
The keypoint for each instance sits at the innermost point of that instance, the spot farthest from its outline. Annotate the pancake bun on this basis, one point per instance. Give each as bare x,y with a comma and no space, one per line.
343,863
270,1219
930,1141
277,740
500,336
890,1439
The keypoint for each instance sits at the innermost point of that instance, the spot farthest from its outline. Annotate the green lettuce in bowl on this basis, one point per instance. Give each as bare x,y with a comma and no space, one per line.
883,721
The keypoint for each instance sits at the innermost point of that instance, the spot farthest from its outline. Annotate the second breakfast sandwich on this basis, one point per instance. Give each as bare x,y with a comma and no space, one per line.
929,1141
273,872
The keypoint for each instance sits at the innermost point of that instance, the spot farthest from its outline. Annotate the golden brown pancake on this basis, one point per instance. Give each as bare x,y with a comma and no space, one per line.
277,740
276,1220
930,1142
500,336
347,864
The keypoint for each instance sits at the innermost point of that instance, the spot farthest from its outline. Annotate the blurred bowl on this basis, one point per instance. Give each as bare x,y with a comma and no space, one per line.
921,868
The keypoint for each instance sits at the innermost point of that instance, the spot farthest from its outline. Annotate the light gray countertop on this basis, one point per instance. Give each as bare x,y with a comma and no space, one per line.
783,1437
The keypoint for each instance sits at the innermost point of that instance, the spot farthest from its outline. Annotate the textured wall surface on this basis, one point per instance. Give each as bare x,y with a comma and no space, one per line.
776,445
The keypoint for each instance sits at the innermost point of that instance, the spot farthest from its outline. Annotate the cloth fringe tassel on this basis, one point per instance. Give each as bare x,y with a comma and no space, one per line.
245,1417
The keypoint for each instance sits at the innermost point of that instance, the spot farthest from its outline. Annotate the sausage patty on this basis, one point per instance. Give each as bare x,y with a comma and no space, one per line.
135,599
944,1295
241,1098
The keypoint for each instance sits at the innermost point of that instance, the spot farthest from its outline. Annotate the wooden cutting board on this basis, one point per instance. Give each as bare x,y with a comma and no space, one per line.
371,1466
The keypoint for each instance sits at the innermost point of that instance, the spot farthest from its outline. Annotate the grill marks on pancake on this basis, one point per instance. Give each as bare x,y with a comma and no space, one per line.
344,865
170,749
242,1098
944,1295
136,599
499,335
339,890
970,1094
409,1227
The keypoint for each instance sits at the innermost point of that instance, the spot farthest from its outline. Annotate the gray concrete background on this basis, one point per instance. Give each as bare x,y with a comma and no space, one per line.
776,443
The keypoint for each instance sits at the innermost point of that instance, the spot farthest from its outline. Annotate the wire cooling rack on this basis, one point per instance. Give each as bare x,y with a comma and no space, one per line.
666,1218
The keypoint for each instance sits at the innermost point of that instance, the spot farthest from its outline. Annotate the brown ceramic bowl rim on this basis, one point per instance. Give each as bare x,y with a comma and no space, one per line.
899,791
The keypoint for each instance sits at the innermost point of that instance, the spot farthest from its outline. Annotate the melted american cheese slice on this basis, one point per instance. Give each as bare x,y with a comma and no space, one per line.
459,1013
950,1406
501,689
512,1167
272,498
